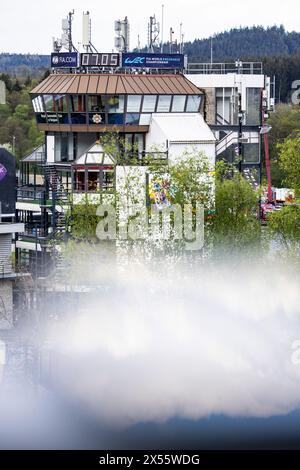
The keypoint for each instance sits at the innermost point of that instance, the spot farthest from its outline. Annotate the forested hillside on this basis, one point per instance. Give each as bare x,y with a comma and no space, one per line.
245,42
22,65
18,129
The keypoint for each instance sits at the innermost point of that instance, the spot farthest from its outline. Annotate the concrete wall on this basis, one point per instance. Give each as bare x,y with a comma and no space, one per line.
210,105
177,150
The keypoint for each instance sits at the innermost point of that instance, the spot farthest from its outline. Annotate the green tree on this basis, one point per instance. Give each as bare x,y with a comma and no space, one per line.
285,121
22,112
235,225
285,225
289,160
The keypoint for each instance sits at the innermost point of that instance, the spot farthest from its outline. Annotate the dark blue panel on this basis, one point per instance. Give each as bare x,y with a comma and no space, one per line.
64,59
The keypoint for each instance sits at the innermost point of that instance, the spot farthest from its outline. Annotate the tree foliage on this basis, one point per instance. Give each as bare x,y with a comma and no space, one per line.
235,225
285,224
18,127
289,160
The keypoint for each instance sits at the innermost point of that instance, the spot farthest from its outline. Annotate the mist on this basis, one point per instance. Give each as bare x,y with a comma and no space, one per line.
161,341
184,340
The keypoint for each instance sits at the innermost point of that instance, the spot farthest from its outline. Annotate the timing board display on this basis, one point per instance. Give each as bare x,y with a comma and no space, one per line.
99,60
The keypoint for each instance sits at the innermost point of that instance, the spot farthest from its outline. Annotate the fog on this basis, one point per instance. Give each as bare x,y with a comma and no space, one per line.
185,341
168,340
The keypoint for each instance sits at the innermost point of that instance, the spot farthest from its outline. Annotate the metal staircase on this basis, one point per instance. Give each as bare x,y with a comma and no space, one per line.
57,207
229,139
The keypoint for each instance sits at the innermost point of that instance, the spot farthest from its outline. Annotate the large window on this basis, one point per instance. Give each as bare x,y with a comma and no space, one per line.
65,146
132,119
134,103
193,103
164,102
49,103
133,144
253,117
149,103
38,104
93,179
77,103
61,103
115,104
96,103
178,104
251,153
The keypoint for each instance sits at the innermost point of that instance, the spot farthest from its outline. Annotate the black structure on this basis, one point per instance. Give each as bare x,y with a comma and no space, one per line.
8,193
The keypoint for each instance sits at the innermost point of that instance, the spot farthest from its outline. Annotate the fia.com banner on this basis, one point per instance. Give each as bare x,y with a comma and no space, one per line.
64,59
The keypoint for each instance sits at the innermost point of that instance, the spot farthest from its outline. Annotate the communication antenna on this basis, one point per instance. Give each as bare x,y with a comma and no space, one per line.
87,33
122,30
65,41
181,40
171,40
153,34
162,30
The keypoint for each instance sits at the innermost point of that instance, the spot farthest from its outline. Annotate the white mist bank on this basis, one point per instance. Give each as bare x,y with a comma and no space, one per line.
188,342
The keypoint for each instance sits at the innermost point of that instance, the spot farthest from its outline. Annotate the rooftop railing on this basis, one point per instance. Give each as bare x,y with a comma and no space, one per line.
248,68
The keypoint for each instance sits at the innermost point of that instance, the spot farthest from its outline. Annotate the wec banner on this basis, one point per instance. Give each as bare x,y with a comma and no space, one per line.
147,60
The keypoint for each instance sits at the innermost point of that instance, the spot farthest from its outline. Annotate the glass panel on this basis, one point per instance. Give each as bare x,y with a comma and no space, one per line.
96,103
78,118
149,103
63,146
138,143
38,104
117,119
178,103
63,118
164,102
52,118
115,104
251,153
193,103
61,103
145,119
96,118
108,180
132,119
41,118
49,102
93,180
79,180
77,103
253,117
134,103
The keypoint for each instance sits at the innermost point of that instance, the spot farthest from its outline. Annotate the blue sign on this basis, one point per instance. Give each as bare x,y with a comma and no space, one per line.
64,59
157,61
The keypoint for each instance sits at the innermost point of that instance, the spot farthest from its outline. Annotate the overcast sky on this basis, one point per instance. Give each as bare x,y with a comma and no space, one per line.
28,26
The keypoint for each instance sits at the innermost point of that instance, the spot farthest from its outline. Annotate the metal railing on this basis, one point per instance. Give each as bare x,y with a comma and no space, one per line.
28,193
248,68
143,158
